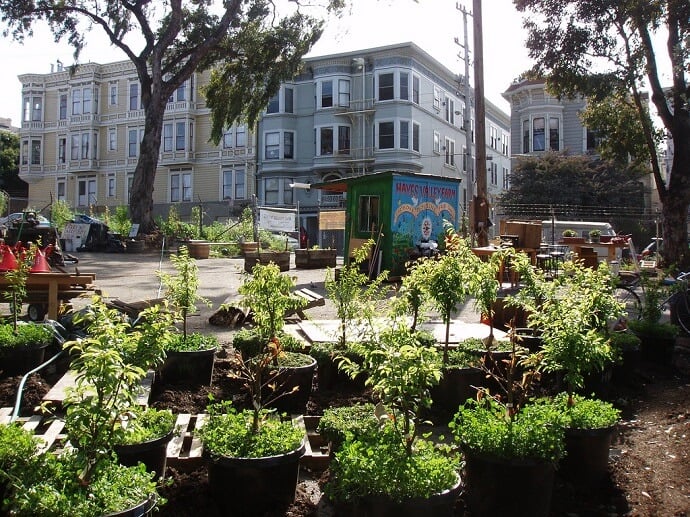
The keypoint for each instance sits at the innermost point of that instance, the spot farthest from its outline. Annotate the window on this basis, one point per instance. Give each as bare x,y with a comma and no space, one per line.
181,92
415,136
61,189
386,86
128,186
85,146
386,135
554,133
344,139
344,93
86,191
404,134
289,100
62,110
494,173
134,103
180,186
506,179
25,152
404,86
37,109
465,159
437,98
415,89
368,213
74,147
134,137
180,136
167,137
271,191
437,142
450,152
62,150
505,145
525,136
112,139
76,101
327,94
538,134
288,145
227,139
241,136
110,187
112,95
26,116
325,141
234,184
449,109
274,104
86,100
272,146
493,137
35,152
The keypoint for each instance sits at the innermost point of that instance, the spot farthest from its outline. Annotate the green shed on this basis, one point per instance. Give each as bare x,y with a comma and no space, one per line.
402,212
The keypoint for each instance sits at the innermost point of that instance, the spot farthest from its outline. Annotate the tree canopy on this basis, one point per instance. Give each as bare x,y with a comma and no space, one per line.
255,46
600,47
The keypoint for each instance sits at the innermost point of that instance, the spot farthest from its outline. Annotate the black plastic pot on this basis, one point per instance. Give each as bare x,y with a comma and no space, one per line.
22,359
455,387
587,460
438,505
286,380
657,349
253,486
529,338
153,454
194,368
500,487
142,509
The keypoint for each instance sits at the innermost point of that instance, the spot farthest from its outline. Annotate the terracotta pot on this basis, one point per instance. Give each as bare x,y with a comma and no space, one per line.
199,249
248,246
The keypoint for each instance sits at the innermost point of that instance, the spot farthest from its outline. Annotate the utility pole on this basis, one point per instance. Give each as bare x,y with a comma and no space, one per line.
481,202
467,117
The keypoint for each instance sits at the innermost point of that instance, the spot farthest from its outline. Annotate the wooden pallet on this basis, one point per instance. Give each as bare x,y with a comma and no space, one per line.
50,432
316,456
184,450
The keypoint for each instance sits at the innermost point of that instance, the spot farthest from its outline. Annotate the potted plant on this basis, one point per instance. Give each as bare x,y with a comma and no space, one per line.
657,338
268,293
589,426
254,453
570,236
22,345
347,422
594,236
392,471
315,257
510,455
189,356
88,480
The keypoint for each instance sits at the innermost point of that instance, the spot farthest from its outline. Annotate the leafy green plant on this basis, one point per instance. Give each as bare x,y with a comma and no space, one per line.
24,335
413,296
146,424
16,283
61,213
348,422
182,288
650,316
376,465
119,222
585,413
569,233
233,433
355,297
489,427
192,342
451,279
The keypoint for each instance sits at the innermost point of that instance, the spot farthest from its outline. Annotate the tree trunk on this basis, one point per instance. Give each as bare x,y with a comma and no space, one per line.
677,198
141,195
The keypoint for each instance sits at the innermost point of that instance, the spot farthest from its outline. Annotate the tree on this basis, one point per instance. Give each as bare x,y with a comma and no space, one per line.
556,178
254,46
600,47
9,168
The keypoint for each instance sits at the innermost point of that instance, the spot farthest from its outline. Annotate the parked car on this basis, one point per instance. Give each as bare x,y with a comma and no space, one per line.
31,218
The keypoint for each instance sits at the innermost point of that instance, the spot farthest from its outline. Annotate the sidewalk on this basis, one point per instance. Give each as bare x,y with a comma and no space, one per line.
132,277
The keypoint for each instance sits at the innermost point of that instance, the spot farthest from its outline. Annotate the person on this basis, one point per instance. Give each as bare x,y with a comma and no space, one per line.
303,238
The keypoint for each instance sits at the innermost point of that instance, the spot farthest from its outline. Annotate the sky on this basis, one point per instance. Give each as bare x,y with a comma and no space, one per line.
431,24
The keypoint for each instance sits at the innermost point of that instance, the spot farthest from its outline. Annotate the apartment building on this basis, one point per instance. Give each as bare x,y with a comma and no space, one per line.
385,108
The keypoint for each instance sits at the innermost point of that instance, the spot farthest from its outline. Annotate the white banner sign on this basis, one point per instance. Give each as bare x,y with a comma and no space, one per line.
278,220
73,230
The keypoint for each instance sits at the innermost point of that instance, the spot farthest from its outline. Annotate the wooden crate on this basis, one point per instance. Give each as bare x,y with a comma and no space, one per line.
50,431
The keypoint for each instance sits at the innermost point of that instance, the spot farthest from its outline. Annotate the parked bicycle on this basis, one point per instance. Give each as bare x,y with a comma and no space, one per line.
630,292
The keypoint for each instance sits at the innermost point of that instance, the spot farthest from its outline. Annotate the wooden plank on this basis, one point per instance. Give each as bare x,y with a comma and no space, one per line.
32,423
181,432
52,435
5,415
196,447
185,450
316,296
57,393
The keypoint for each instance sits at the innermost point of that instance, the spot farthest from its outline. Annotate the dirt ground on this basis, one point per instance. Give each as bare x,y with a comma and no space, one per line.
649,467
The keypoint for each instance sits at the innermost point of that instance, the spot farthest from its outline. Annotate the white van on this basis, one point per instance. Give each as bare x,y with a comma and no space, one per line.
552,230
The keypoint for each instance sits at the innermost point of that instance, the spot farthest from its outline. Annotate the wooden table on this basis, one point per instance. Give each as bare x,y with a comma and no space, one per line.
52,288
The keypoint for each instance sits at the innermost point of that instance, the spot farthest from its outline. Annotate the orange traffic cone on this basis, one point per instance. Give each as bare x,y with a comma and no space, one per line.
9,261
40,263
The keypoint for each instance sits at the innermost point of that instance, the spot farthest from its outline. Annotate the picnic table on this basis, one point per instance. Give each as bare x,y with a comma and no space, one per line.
46,291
